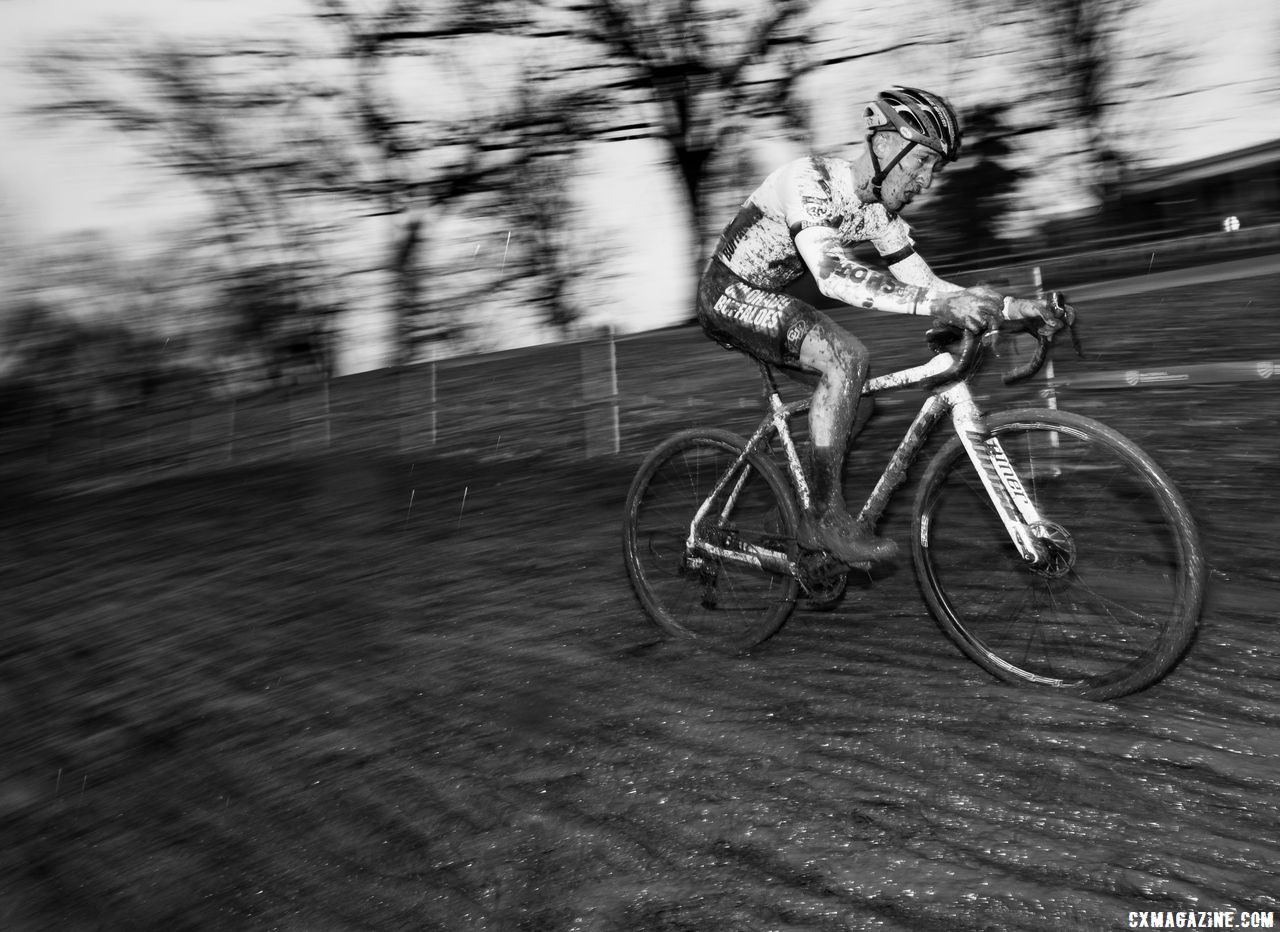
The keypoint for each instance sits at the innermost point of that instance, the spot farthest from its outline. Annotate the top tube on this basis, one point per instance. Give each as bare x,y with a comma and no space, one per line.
906,378
902,378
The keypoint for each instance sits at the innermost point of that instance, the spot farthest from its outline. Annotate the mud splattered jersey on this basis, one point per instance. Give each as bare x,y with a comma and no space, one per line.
759,246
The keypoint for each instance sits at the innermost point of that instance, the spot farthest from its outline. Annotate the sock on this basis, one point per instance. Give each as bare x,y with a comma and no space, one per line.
825,468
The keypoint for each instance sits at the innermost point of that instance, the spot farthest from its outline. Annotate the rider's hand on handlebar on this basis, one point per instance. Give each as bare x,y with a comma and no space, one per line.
974,309
1039,315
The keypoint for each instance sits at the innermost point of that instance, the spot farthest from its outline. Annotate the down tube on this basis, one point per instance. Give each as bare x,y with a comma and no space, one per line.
896,471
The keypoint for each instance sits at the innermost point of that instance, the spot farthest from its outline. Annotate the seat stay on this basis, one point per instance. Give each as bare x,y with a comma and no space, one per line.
737,468
736,474
743,552
777,420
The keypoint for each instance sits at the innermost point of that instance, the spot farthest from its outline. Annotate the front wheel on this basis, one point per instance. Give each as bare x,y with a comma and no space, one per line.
1114,601
719,600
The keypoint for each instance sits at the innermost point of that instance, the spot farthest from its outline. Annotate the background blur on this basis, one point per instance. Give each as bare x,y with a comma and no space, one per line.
209,198
277,254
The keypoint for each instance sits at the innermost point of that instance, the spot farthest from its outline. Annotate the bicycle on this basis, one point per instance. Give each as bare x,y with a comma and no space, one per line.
1050,548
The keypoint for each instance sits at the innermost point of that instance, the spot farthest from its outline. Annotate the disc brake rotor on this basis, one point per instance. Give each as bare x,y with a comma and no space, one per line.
1058,548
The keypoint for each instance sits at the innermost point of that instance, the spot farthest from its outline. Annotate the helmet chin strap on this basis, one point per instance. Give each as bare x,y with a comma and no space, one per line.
882,173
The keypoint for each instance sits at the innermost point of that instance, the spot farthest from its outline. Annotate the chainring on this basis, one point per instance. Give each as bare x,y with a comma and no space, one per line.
823,580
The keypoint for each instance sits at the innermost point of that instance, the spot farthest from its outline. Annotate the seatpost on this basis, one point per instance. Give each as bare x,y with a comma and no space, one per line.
766,376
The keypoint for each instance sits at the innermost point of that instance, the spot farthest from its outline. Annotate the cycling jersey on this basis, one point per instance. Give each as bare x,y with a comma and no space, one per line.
739,303
759,246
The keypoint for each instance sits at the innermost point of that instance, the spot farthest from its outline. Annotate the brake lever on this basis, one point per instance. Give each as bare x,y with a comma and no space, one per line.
1058,302
1075,341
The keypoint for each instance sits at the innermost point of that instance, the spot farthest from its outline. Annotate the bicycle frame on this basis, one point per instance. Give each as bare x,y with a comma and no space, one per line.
998,477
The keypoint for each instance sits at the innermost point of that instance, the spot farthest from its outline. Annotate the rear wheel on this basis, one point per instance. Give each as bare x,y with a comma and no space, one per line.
1114,602
688,592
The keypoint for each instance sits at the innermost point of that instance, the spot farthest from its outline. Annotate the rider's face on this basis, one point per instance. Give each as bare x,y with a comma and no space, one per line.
911,177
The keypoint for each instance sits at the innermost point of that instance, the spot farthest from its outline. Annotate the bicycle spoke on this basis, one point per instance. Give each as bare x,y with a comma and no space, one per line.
1098,616
693,591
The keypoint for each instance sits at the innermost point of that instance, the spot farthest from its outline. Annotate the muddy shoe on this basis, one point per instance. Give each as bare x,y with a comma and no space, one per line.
839,534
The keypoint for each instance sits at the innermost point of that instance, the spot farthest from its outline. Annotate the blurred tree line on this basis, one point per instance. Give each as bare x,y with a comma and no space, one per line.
353,160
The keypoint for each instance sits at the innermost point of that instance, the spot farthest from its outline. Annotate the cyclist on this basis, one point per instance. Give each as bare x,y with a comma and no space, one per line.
806,215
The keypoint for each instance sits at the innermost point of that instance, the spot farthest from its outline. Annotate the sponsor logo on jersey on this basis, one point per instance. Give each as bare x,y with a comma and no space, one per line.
816,209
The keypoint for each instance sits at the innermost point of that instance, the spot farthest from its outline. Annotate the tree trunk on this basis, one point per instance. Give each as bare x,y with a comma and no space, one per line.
407,299
692,163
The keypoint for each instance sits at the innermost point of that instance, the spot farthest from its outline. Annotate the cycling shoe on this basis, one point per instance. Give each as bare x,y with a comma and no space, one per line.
836,532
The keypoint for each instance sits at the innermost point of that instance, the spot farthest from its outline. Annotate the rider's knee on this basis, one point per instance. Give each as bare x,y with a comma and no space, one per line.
837,354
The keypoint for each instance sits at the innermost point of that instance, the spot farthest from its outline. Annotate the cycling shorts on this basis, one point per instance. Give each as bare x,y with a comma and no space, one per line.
768,325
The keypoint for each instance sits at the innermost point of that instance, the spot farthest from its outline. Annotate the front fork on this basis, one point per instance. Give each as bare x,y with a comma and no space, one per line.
1017,511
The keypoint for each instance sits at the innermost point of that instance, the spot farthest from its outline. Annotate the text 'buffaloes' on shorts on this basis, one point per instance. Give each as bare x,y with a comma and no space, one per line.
766,324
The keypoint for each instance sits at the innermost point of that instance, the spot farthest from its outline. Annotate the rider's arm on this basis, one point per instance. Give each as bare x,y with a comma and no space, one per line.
913,270
909,266
843,279
896,247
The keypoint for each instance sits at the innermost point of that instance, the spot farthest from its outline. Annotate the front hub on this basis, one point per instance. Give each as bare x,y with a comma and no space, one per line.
1055,550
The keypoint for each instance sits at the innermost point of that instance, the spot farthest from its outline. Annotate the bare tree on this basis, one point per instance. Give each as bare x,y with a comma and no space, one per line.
277,134
685,72
1085,54
1089,34
226,118
553,253
690,73
503,150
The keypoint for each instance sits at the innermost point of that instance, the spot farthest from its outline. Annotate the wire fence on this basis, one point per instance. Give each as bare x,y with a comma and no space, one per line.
599,396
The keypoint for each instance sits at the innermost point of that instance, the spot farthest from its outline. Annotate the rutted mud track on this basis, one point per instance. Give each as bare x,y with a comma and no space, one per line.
388,695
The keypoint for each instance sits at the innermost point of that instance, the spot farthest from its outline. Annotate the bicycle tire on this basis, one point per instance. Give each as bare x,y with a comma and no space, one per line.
716,603
1120,606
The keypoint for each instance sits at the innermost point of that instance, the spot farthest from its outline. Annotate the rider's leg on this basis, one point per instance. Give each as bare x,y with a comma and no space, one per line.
840,360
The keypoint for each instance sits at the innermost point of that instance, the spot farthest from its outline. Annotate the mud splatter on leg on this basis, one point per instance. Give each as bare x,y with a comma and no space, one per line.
841,361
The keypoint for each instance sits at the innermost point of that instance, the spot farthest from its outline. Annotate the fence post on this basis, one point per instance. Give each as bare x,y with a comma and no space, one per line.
600,393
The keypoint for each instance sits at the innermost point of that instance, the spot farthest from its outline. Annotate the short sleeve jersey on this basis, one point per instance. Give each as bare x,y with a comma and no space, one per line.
759,245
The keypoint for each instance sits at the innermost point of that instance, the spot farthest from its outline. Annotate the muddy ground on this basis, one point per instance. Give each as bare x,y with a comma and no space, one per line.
350,693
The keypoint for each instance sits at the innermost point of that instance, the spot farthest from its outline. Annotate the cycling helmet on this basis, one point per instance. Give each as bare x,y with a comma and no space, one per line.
921,118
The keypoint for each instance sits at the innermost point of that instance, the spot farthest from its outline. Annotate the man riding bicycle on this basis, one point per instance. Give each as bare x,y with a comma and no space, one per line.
807,215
